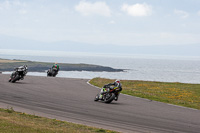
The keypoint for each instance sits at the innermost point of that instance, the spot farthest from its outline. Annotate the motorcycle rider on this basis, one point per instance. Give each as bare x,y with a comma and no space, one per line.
56,66
22,70
116,85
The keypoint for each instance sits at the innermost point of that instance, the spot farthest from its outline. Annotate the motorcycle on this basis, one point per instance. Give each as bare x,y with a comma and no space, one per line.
108,95
18,74
52,72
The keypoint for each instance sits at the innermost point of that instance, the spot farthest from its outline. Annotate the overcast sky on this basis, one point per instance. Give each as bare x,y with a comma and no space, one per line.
116,22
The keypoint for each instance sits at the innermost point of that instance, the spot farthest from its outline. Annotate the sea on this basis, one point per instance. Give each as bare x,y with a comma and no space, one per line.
183,69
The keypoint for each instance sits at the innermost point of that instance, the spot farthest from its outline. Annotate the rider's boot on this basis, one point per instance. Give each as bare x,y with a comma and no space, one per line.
116,97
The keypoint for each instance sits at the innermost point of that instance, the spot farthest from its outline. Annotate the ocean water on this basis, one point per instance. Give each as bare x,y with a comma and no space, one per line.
137,67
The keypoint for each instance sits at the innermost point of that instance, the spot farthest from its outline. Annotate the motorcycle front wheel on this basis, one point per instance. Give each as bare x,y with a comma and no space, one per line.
15,78
96,97
108,98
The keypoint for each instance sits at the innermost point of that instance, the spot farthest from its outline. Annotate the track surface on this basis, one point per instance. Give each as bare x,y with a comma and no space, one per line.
72,100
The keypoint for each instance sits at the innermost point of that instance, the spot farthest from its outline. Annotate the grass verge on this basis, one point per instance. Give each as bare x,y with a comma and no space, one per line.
16,122
187,95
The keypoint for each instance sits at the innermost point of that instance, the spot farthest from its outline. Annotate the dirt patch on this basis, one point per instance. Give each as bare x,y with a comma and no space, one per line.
10,61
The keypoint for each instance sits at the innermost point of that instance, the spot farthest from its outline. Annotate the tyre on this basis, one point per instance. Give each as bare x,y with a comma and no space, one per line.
48,74
54,73
15,78
108,98
96,97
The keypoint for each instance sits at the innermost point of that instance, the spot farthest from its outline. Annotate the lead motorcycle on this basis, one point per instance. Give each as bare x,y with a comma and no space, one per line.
18,73
108,95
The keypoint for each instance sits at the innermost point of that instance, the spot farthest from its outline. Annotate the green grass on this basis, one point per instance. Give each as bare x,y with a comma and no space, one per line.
187,95
16,122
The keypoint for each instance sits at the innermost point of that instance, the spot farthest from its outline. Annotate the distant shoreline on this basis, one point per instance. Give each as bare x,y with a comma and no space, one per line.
34,66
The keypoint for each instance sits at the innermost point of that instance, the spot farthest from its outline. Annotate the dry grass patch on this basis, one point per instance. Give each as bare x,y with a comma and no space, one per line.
16,122
10,61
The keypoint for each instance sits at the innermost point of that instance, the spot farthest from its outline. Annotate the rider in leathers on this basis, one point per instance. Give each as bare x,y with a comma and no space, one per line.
116,85
22,70
56,66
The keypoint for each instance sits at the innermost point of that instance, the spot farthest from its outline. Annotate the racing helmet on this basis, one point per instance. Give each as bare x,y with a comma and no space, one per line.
25,66
117,81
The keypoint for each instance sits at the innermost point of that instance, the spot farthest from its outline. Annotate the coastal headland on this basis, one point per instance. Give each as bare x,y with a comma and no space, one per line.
34,66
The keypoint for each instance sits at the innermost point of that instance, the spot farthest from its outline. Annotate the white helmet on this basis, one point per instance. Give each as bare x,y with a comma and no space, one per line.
117,81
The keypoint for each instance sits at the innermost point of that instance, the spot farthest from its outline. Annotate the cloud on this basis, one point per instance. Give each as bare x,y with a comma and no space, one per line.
97,8
13,6
137,10
181,13
4,5
23,11
198,13
112,22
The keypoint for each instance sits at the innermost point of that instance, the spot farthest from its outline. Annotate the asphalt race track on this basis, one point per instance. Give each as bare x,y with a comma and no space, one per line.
73,100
